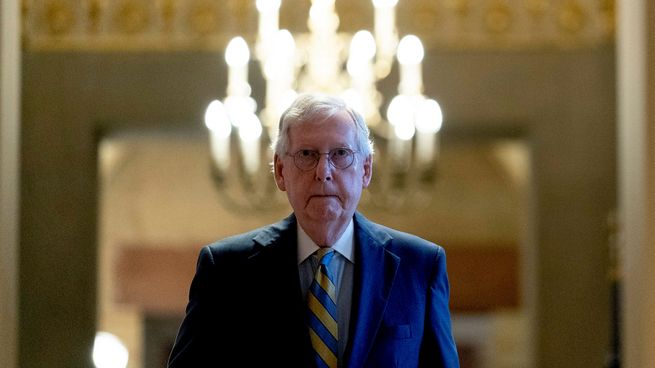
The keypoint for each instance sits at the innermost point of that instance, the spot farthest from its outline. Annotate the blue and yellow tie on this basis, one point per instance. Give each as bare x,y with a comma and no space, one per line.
321,300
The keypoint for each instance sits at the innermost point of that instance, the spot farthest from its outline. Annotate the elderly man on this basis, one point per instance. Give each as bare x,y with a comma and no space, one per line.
324,287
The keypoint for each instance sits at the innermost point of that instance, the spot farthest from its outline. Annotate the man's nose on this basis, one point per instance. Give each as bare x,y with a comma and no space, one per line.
323,168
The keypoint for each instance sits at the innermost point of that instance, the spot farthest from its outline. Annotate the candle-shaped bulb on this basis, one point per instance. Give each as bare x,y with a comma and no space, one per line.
237,56
284,42
250,128
428,122
269,14
322,17
362,51
397,110
220,128
404,132
400,117
410,55
399,114
386,35
109,351
216,119
280,64
384,3
237,52
268,5
410,50
362,45
323,3
429,117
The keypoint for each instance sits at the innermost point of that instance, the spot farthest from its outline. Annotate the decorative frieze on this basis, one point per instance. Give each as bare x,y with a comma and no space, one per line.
124,25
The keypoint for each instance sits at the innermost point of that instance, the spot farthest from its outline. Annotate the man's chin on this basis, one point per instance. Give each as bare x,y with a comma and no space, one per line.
324,213
324,216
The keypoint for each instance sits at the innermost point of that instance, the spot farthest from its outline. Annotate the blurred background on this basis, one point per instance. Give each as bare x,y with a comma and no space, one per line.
538,179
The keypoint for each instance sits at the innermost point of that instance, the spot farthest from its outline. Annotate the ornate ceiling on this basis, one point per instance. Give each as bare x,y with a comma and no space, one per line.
168,25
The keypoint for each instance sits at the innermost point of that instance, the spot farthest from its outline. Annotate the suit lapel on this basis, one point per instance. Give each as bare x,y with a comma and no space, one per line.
375,271
276,262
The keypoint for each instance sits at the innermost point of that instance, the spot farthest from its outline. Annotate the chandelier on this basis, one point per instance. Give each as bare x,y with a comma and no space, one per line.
325,60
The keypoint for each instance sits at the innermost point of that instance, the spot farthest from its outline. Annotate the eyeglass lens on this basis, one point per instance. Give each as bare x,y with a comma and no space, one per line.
341,158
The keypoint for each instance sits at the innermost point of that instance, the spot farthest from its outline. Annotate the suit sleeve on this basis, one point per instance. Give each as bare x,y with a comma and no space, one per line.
192,341
439,348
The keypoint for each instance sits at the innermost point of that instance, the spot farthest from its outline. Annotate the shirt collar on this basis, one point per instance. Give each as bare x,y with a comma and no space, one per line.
344,245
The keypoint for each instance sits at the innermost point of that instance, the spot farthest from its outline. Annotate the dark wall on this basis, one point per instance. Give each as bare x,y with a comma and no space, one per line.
563,101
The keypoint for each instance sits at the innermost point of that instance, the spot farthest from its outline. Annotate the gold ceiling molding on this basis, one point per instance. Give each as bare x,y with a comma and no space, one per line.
169,25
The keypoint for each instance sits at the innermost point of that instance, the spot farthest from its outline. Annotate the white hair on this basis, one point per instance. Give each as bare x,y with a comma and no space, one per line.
313,107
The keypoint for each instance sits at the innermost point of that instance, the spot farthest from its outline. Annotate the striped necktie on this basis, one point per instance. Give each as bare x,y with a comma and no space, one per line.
321,300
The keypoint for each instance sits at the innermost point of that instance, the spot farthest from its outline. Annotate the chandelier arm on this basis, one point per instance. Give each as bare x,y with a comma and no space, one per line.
236,197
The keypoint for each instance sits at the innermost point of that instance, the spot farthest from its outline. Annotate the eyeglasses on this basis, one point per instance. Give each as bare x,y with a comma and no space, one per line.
340,158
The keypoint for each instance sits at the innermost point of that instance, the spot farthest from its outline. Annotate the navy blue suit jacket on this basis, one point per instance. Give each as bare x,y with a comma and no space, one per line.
246,310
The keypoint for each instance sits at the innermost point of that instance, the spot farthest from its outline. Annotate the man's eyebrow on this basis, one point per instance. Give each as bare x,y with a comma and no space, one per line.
336,146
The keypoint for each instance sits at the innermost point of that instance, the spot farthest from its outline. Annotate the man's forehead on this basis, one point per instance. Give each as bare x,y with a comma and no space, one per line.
341,121
341,116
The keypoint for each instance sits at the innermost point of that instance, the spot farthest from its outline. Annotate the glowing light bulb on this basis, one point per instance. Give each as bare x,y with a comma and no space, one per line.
284,41
384,3
410,50
362,51
237,52
398,109
250,128
429,117
109,351
404,132
268,5
362,45
216,119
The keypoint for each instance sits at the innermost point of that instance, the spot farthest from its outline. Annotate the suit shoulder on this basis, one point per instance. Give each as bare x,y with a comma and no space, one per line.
236,245
403,241
406,242
244,244
233,244
410,238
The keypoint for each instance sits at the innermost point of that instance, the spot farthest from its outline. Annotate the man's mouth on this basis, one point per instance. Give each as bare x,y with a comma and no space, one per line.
323,196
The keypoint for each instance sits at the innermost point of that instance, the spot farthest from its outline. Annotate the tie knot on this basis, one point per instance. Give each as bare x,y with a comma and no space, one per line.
325,255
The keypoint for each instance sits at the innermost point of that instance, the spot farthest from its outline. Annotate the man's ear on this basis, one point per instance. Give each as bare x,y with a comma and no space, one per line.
368,171
277,170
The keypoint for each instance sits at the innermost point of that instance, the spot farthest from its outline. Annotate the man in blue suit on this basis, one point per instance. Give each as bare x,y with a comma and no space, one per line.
383,294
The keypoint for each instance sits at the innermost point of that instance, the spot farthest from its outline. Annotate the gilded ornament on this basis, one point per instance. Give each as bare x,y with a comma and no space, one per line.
168,14
95,14
498,18
424,19
25,8
203,17
132,17
461,7
51,24
240,9
59,17
536,8
572,17
608,15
